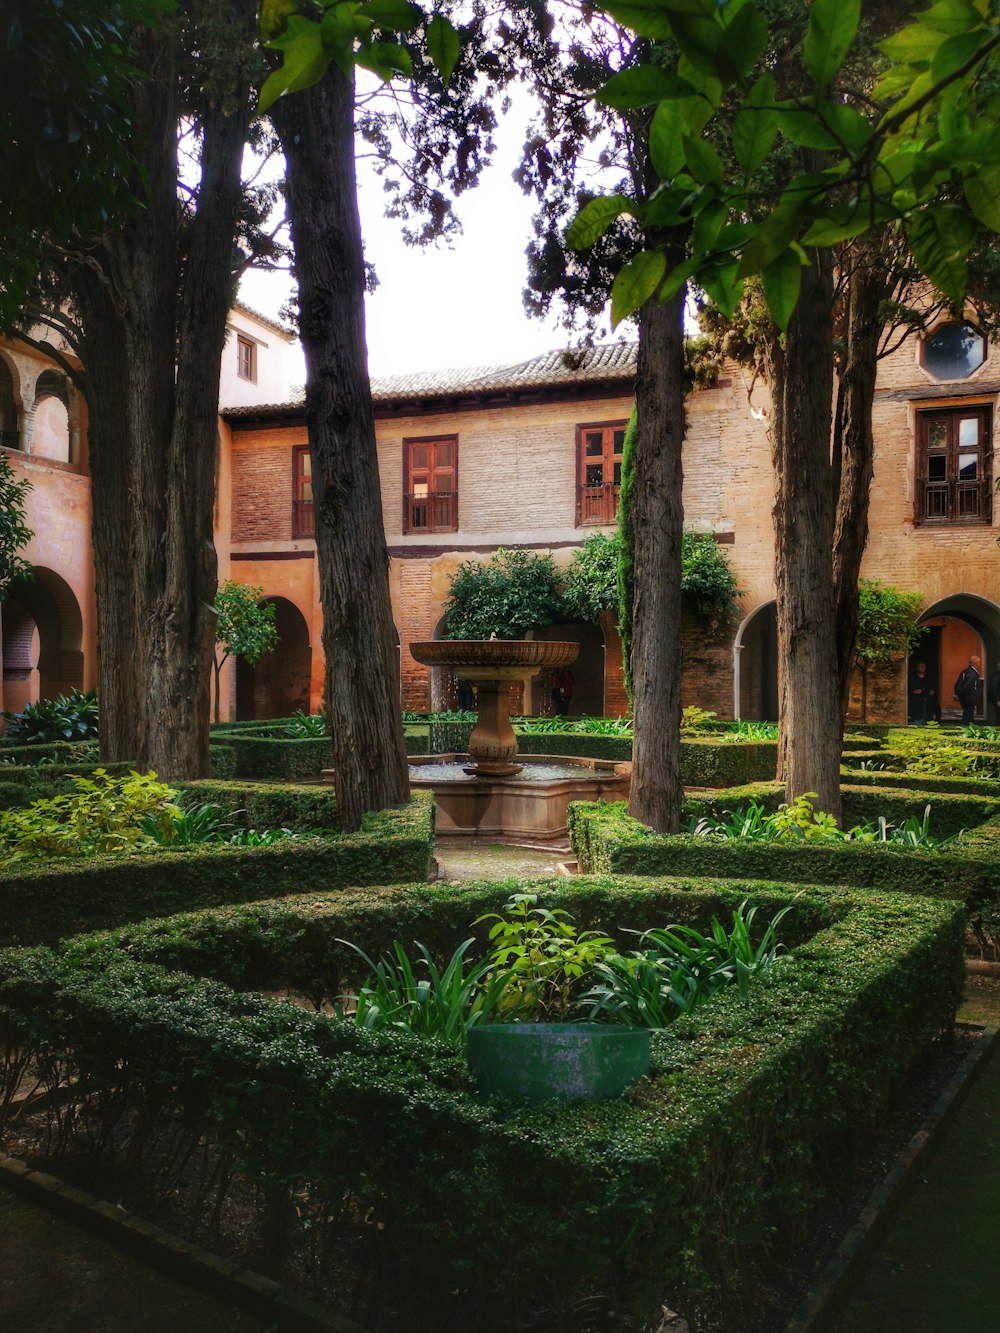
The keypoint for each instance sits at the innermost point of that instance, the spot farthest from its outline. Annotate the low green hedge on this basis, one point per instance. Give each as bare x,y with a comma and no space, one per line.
607,841
284,758
267,805
676,1190
574,744
706,763
45,901
21,784
54,752
930,783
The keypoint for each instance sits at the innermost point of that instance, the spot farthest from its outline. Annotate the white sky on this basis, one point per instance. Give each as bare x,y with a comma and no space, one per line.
442,307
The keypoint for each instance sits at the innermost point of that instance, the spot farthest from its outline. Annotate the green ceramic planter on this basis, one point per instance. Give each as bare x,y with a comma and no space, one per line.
574,1061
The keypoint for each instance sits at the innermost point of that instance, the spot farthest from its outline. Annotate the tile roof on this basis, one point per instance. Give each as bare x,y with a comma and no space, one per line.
266,320
610,363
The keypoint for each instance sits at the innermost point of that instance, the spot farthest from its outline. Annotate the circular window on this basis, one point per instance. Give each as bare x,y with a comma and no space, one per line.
953,353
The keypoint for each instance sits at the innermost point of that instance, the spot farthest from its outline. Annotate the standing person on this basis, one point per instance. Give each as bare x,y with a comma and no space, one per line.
562,690
967,688
923,694
993,693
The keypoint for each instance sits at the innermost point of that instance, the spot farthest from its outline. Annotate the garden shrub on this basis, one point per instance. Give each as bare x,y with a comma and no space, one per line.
43,902
102,814
68,717
657,1195
283,757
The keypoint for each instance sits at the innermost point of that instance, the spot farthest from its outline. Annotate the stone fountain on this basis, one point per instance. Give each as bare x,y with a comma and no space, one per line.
486,793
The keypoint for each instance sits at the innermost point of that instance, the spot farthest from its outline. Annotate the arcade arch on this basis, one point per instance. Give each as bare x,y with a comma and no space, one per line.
278,684
958,627
755,665
42,640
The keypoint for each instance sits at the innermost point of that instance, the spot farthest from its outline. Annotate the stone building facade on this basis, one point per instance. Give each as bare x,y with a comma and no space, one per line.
524,456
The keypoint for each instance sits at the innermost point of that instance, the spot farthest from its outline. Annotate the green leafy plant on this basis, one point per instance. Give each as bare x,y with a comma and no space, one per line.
244,627
508,595
305,725
928,750
694,719
68,717
680,968
14,531
103,814
747,730
191,826
584,726
442,1004
252,837
590,578
800,820
887,628
545,955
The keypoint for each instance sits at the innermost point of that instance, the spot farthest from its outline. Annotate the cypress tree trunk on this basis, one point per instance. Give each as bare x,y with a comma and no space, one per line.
801,377
854,448
657,516
359,638
153,324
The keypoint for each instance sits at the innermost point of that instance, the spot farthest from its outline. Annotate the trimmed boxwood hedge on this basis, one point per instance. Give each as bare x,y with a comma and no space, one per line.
283,758
41,902
607,841
667,1193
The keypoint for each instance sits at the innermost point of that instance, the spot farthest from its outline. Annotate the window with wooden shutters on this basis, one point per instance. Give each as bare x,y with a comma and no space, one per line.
599,472
246,359
302,493
954,466
430,481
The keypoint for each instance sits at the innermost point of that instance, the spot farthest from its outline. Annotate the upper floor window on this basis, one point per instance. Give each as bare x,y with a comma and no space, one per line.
953,466
953,352
302,492
430,485
599,471
246,359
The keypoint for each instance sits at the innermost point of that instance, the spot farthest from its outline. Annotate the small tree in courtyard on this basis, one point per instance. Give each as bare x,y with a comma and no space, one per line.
887,629
14,531
244,628
506,596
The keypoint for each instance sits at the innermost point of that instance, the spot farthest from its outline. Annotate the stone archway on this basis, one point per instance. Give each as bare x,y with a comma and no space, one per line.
42,640
957,627
755,665
10,417
50,431
278,685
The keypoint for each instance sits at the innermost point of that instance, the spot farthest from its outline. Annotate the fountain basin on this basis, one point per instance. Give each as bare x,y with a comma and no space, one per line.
529,806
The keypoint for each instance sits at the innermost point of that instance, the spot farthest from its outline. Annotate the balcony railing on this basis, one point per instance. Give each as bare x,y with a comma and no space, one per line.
10,439
436,512
598,504
303,523
954,501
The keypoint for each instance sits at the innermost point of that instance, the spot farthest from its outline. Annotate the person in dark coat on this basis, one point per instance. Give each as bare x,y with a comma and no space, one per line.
993,694
923,694
967,688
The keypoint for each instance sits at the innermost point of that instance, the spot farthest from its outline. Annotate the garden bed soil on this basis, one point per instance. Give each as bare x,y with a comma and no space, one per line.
776,1289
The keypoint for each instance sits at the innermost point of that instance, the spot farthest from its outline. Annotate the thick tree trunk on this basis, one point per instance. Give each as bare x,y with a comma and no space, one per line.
359,638
801,376
658,518
153,396
854,449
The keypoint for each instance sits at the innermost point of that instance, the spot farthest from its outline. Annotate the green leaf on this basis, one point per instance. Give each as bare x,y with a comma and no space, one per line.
274,14
782,281
982,192
394,15
652,18
756,126
443,46
707,225
636,283
642,86
305,62
940,239
744,39
912,45
839,226
594,218
724,285
953,53
772,238
847,125
666,146
832,26
703,161
803,126
700,40
385,59
676,279
950,16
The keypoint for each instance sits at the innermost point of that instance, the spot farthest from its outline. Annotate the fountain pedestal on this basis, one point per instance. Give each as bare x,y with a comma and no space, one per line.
493,665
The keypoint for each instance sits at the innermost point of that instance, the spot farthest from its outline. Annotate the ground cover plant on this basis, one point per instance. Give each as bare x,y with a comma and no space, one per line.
799,819
68,717
351,1150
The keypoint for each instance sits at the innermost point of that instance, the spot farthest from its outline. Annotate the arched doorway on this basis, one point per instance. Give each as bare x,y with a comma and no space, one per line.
50,433
755,665
957,628
42,640
444,683
587,671
278,685
10,425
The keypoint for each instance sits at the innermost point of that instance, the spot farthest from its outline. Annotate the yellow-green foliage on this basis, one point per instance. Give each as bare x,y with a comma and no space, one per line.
104,814
927,751
694,718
